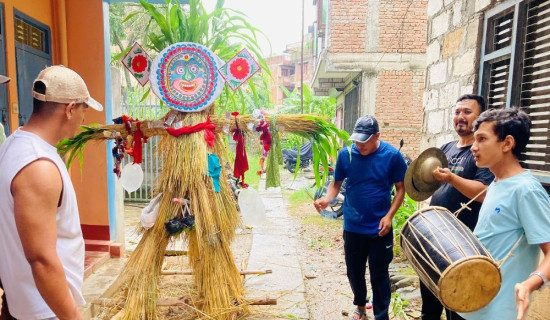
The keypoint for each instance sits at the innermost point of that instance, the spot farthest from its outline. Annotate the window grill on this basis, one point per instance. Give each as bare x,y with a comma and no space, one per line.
28,34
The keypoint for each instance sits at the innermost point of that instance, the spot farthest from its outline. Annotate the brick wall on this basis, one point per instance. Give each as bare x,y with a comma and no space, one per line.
348,25
399,108
403,26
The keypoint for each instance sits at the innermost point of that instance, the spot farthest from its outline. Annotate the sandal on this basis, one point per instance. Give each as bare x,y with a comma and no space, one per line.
359,314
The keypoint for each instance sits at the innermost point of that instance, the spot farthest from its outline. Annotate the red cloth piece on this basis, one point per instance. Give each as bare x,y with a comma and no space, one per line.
265,137
241,161
207,126
138,145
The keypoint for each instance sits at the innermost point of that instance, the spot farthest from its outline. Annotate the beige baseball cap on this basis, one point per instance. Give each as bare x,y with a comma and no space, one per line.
63,85
4,79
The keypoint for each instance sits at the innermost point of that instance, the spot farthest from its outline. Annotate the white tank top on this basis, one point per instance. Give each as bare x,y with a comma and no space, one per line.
24,300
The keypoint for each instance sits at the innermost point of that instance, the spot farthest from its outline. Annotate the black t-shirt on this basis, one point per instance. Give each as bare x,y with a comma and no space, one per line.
462,163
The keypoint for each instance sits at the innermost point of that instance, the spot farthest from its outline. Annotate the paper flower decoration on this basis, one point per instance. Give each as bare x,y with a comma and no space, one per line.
138,62
239,69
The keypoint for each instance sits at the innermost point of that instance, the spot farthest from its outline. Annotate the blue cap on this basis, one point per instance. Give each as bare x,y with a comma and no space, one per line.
364,128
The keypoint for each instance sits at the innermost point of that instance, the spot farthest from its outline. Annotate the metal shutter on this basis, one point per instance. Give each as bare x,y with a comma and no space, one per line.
535,83
500,36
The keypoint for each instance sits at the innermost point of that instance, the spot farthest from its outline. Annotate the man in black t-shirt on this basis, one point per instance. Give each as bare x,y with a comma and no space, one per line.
462,181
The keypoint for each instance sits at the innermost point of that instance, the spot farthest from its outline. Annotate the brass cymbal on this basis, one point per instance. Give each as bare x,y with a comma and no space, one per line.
420,183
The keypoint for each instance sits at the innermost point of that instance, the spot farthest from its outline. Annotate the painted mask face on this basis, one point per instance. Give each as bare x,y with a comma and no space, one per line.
187,76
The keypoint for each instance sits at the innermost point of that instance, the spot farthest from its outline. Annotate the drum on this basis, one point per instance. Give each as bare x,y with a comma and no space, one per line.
450,260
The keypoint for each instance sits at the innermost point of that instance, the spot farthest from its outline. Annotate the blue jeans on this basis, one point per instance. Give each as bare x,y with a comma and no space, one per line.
378,251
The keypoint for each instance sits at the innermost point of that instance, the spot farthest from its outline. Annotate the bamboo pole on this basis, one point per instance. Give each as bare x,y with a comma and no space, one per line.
190,272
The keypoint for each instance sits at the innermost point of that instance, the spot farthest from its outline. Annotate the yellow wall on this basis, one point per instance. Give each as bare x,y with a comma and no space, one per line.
79,46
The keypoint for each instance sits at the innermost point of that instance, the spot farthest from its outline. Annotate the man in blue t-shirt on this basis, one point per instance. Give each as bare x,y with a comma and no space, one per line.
514,219
372,167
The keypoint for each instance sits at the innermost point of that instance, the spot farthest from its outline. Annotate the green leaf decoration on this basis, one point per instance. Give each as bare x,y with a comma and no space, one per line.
74,146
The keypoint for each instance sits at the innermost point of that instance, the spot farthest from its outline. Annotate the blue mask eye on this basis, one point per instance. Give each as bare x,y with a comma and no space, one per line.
180,70
194,68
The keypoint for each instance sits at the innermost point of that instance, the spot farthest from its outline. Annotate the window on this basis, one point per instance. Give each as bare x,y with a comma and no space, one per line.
515,69
351,109
28,34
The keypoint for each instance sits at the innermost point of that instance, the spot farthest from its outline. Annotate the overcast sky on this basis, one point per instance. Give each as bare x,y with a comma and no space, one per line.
280,20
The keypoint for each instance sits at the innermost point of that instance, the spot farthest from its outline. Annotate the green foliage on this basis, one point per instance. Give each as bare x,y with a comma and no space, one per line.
291,140
406,209
299,197
322,106
224,31
398,306
319,243
124,33
325,147
251,177
74,147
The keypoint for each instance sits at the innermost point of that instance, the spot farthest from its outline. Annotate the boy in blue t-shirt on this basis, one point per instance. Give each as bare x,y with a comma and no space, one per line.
372,167
514,219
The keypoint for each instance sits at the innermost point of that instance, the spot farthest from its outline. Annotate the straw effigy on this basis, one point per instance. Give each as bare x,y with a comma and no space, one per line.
216,276
185,175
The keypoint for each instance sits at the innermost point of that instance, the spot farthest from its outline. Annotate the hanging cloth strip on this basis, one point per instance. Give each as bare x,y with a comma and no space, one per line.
207,126
138,145
241,161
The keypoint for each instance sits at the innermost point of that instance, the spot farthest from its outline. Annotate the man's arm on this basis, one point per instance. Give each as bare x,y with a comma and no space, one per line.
332,192
469,188
385,223
524,289
36,190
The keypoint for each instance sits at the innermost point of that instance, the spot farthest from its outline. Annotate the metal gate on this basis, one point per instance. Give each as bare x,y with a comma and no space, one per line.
152,162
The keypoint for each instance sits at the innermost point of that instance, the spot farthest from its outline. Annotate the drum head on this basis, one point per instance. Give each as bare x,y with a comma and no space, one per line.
469,284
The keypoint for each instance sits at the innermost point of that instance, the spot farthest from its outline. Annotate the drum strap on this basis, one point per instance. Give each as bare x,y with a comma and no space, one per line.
465,206
511,253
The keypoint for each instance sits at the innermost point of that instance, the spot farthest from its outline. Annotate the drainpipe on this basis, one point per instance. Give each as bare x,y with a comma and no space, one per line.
61,26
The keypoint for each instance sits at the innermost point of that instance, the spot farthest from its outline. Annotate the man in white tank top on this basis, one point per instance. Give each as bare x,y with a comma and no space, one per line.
41,244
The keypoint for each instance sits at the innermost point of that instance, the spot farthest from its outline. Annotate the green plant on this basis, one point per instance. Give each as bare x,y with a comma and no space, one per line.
251,177
319,105
398,306
74,147
224,31
319,243
299,197
407,208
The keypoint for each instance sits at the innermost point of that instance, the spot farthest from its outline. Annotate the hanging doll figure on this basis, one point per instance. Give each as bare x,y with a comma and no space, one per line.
265,140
